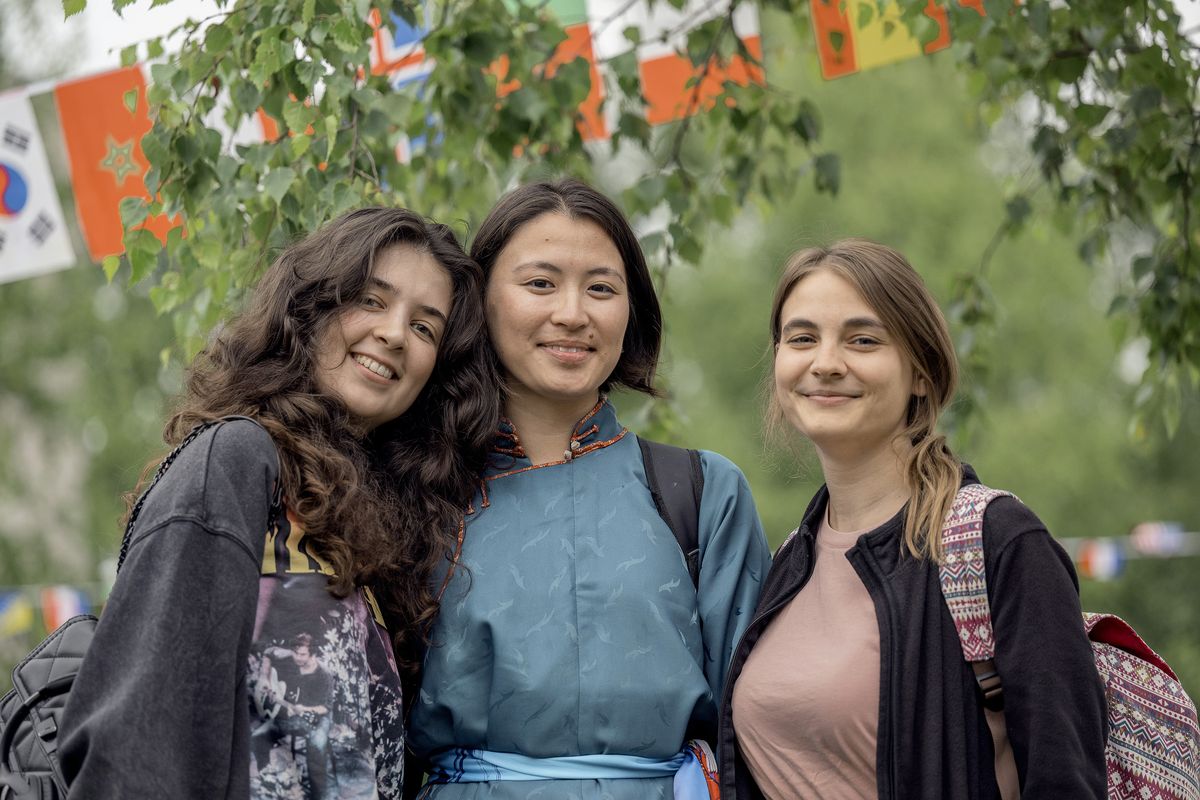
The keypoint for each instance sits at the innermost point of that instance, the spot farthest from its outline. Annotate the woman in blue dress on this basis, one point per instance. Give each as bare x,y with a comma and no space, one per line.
573,656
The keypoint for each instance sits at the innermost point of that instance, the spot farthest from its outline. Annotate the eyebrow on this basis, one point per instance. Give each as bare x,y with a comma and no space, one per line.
387,287
854,322
607,272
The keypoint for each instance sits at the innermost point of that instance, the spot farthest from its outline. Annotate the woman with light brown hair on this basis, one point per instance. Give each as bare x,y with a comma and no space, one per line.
850,681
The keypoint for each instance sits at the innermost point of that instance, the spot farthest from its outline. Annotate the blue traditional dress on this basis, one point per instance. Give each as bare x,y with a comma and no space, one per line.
572,645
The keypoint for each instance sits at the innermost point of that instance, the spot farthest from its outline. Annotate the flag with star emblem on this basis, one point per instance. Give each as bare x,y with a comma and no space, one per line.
33,236
103,141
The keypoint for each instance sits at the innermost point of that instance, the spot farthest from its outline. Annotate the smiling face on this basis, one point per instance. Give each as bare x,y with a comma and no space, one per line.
377,354
841,378
557,309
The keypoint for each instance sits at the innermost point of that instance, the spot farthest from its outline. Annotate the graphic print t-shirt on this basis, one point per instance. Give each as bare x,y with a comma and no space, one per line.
353,746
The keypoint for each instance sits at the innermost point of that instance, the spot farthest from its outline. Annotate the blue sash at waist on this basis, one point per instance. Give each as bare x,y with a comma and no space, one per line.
462,765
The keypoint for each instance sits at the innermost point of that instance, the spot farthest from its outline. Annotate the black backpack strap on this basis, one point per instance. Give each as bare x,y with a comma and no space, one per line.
676,481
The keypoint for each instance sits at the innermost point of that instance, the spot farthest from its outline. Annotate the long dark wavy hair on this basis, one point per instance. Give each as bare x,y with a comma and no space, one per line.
383,509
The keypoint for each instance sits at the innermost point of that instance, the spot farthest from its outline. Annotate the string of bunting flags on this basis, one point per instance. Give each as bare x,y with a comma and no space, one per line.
30,612
102,135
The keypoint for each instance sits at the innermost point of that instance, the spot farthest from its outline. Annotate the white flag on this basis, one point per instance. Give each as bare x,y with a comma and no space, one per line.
33,236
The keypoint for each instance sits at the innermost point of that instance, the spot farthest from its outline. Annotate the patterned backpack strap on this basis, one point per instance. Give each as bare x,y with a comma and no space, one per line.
964,586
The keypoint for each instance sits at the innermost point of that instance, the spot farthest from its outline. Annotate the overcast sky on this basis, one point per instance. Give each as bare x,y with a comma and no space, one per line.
99,34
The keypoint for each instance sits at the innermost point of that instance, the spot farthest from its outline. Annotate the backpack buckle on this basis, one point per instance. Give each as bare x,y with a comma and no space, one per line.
991,689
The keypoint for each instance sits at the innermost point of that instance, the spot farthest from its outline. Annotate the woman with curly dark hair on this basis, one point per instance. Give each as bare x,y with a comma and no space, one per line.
247,647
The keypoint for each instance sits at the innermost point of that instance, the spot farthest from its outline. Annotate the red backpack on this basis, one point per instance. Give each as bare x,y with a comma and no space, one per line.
1153,750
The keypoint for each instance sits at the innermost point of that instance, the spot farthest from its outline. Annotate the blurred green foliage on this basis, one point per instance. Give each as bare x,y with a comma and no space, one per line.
918,167
1054,402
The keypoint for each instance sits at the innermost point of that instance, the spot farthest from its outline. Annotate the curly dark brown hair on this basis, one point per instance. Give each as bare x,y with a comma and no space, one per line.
382,508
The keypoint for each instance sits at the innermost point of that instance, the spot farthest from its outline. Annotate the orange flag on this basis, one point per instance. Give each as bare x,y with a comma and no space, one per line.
105,152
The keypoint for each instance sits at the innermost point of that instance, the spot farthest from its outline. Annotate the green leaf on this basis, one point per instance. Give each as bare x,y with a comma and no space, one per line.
300,144
807,123
141,248
331,132
110,265
217,38
1017,209
1039,18
827,173
73,7
129,55
866,13
278,182
1090,115
134,211
346,36
119,5
298,116
246,96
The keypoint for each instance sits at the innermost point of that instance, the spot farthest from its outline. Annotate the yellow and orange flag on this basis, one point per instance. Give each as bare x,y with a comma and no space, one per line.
856,35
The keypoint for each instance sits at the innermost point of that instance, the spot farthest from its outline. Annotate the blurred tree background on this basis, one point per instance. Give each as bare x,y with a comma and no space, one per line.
82,395
1052,380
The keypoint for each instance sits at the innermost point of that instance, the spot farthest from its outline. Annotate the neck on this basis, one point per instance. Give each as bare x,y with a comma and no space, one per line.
545,425
867,490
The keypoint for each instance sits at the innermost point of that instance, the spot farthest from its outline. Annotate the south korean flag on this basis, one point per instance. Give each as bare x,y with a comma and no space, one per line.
33,237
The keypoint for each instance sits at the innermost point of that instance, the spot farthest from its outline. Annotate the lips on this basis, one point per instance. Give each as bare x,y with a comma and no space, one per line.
568,352
377,367
567,347
829,395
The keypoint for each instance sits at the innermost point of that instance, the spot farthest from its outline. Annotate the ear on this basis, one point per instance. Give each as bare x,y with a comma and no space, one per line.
920,387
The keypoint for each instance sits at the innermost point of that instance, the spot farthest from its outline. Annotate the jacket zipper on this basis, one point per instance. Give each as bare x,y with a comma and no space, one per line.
884,734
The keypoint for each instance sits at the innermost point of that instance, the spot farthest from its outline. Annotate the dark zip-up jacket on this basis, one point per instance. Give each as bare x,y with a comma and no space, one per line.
933,739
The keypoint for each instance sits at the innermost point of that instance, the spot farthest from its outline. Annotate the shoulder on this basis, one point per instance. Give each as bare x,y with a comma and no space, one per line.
1017,542
719,468
238,442
716,469
219,479
1007,519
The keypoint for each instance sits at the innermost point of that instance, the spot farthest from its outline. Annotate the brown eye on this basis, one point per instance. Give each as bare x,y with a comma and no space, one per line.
425,331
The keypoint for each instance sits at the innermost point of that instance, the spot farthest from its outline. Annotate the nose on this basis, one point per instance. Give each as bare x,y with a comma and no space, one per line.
392,330
569,311
827,361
